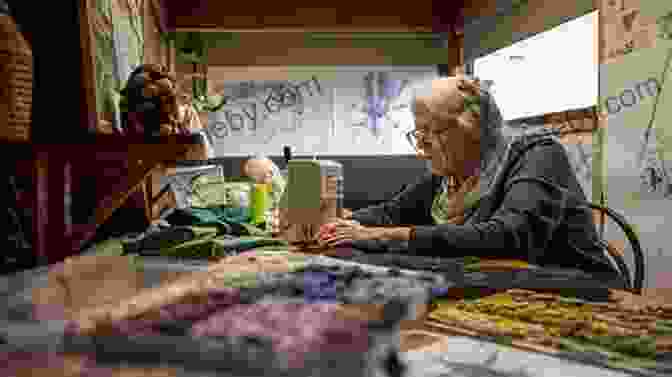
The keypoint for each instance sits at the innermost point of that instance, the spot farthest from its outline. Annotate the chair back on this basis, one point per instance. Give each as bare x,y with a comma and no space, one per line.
616,251
635,284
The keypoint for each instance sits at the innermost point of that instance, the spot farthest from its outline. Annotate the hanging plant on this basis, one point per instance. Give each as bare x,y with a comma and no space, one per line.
665,26
192,48
201,100
518,6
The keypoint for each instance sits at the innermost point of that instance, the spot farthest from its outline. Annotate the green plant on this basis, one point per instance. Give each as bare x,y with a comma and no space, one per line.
665,26
192,48
203,102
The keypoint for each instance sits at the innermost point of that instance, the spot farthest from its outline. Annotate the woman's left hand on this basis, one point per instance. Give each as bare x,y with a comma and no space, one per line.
345,231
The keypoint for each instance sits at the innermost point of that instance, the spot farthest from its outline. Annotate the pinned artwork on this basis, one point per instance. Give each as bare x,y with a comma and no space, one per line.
330,110
380,101
260,111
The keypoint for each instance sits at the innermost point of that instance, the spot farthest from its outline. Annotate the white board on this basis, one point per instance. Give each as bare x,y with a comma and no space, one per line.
319,110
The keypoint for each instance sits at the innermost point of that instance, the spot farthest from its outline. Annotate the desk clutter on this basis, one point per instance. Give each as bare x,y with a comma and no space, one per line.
277,306
211,290
263,312
610,333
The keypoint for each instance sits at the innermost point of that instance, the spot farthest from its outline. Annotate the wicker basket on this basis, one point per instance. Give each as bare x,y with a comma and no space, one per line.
16,82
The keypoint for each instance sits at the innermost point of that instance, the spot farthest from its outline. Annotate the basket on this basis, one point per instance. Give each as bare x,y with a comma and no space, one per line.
16,82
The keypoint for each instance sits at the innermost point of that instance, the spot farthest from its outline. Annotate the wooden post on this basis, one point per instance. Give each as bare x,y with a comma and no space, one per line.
40,205
89,114
456,53
61,77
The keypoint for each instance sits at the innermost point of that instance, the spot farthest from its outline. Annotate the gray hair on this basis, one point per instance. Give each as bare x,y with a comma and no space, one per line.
491,121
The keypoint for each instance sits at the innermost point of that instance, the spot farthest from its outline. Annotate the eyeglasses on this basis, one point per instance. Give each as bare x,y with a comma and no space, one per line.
417,137
414,136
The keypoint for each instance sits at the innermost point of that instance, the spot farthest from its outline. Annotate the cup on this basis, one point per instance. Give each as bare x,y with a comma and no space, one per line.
261,202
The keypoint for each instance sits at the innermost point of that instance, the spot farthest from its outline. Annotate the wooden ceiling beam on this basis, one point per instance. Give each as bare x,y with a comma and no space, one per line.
305,16
316,29
160,11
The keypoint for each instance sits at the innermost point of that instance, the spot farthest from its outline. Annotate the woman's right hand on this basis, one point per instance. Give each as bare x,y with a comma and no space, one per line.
330,233
329,228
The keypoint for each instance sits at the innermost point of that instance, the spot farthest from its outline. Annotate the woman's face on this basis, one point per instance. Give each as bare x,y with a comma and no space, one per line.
422,130
447,146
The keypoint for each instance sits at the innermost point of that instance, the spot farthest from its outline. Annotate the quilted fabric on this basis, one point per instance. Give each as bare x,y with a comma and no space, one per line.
296,330
214,191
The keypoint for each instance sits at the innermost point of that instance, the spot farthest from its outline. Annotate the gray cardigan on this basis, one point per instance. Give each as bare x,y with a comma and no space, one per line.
519,218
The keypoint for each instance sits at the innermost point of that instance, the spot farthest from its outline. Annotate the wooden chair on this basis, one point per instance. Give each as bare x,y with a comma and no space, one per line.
635,285
617,253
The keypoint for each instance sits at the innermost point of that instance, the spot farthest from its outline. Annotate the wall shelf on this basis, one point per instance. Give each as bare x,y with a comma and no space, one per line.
52,168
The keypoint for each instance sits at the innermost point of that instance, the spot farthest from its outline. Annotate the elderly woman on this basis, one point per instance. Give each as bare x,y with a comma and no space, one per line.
487,195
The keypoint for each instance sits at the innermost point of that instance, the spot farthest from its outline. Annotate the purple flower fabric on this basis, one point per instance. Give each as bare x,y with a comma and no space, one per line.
295,329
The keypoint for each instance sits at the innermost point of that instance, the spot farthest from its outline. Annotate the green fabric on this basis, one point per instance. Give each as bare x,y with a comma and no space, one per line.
251,242
278,186
217,216
225,246
206,243
440,212
199,248
240,280
173,237
112,246
209,244
203,231
214,191
208,191
221,217
254,231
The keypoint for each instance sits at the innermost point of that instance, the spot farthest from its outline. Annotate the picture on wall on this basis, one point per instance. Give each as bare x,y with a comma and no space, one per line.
380,101
256,109
635,100
324,110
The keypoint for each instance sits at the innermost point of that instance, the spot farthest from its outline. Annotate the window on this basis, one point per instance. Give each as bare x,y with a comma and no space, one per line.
553,71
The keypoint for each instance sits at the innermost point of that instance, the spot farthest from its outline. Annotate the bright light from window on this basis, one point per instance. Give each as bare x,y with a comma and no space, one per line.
550,72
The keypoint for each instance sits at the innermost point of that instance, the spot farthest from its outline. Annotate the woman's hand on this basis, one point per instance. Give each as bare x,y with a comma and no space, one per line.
343,231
